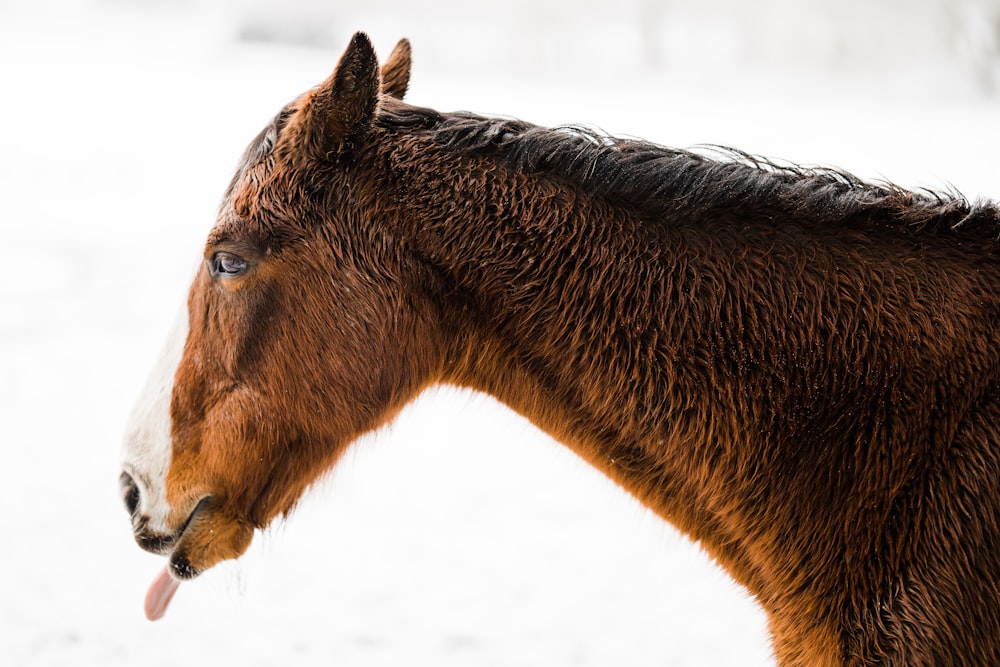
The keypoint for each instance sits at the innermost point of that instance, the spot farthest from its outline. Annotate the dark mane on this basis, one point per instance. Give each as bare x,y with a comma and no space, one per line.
657,181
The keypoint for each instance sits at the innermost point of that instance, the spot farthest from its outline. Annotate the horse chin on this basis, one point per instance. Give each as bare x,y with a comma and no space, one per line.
211,535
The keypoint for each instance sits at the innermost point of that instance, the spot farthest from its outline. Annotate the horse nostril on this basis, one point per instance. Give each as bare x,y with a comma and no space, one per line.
130,492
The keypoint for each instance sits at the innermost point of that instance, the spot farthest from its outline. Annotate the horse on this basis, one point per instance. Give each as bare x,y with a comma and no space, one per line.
797,368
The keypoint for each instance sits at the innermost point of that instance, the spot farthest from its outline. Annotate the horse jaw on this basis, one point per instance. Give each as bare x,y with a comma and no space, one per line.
147,448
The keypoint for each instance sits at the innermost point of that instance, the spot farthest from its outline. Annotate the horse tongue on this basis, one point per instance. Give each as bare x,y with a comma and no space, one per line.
159,595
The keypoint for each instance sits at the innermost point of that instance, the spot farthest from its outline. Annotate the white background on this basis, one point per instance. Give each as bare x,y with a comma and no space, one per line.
459,535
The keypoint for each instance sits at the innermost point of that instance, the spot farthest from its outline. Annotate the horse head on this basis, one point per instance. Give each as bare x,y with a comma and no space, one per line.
301,332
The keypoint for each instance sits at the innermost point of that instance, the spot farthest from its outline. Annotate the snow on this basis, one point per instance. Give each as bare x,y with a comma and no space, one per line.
457,536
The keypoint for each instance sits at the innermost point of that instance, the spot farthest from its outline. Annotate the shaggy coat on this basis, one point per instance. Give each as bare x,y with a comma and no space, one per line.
796,368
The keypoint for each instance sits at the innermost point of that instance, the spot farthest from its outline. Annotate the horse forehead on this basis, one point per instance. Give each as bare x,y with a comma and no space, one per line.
253,169
243,199
259,149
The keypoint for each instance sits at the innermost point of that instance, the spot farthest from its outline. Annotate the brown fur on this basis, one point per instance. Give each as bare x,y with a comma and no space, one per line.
794,367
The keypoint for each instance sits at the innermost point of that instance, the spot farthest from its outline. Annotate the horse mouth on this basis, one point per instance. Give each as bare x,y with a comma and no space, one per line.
165,544
208,534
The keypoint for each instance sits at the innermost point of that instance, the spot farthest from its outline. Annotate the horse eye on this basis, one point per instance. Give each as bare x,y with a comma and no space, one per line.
227,264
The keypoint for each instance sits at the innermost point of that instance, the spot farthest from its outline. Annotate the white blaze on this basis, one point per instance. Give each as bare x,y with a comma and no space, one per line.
147,447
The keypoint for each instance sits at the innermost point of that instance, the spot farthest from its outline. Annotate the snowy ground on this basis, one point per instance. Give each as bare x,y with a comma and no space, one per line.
460,536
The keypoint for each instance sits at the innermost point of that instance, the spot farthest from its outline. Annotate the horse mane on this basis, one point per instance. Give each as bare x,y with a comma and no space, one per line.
657,182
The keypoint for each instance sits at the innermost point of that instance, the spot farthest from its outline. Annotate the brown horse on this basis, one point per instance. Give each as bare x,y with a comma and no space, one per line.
799,369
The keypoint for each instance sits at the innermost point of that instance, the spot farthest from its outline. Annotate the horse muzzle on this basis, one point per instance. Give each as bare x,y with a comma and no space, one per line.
207,535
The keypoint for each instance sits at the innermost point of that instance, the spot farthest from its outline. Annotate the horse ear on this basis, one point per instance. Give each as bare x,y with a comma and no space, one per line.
396,70
342,106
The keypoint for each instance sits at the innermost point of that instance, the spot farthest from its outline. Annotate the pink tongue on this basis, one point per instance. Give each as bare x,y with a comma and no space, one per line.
159,594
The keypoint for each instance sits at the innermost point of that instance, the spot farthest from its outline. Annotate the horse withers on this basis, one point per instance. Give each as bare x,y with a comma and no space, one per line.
797,368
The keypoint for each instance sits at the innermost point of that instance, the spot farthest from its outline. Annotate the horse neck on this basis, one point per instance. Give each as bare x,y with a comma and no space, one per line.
556,306
742,380
665,354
